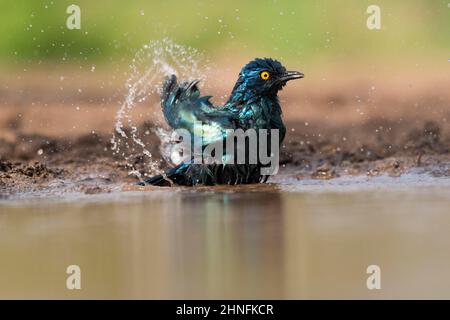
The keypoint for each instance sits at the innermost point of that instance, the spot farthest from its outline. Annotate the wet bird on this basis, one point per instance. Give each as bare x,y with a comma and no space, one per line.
253,104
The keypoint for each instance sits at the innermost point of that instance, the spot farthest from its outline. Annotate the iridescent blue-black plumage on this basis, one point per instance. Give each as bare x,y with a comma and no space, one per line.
253,104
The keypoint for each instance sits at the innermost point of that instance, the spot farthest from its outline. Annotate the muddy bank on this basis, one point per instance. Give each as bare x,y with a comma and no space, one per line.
41,164
364,124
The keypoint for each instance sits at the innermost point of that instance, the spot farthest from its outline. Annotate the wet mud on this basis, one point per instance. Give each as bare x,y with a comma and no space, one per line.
86,164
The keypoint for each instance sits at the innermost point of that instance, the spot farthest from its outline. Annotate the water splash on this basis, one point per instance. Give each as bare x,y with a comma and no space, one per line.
153,62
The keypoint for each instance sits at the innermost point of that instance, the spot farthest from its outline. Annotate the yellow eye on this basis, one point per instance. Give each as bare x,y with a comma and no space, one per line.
265,75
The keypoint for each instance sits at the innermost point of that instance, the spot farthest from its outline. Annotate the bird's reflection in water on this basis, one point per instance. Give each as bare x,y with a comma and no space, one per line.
226,244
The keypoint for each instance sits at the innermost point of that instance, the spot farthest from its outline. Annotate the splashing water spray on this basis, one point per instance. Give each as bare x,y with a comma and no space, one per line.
153,62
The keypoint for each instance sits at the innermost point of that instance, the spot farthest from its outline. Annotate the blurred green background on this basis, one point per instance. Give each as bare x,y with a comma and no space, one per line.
312,29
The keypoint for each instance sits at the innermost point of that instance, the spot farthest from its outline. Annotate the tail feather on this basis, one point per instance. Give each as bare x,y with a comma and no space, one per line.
177,175
158,180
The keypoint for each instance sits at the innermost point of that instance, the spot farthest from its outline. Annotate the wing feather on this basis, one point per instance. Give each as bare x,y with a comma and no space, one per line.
183,106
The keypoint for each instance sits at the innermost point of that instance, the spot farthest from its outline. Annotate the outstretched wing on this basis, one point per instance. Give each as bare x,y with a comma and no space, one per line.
183,107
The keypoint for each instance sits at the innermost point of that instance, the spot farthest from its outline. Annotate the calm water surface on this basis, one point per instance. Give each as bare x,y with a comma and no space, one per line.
261,242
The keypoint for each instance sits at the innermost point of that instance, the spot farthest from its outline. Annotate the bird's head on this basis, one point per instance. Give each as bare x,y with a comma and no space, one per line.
264,77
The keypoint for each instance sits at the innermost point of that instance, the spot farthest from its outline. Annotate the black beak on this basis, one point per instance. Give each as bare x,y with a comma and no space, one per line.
291,75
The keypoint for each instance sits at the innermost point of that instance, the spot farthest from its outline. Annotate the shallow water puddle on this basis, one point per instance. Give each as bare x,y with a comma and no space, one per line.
268,241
